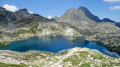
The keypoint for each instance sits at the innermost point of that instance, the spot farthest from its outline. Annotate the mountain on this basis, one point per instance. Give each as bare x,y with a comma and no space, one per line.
111,21
20,18
82,17
89,14
93,17
72,15
6,16
118,24
80,14
77,18
108,20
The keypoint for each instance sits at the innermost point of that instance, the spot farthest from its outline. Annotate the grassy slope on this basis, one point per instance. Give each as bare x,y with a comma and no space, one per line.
13,65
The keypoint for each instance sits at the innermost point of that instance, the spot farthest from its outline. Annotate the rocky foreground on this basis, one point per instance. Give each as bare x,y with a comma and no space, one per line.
75,57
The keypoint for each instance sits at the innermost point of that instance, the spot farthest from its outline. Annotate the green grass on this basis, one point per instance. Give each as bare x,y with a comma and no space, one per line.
22,31
1,37
73,59
85,65
83,53
3,43
33,55
56,28
12,65
32,30
106,65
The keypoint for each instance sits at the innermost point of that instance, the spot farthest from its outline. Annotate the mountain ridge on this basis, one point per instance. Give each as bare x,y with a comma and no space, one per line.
91,16
20,17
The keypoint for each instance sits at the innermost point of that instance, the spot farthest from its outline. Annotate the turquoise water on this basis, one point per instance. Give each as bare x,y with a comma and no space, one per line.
55,44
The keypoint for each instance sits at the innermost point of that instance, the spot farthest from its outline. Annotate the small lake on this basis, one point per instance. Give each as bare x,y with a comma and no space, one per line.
55,44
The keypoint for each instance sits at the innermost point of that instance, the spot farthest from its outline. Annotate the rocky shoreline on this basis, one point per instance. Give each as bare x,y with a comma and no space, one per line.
42,30
71,57
111,41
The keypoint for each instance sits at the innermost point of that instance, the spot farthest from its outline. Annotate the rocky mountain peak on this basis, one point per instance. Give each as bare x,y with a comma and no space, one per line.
2,8
89,14
71,10
75,15
20,17
81,14
83,8
107,20
24,9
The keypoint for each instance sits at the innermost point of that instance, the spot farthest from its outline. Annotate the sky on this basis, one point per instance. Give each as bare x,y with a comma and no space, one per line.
51,8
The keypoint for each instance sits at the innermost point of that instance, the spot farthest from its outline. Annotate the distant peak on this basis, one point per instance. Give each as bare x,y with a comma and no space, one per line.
23,10
82,8
89,14
2,8
108,20
72,9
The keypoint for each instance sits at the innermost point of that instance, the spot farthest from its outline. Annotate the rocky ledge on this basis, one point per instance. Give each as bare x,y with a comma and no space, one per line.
75,57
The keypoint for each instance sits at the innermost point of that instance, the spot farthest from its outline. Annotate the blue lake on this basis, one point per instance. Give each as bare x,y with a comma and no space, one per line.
55,44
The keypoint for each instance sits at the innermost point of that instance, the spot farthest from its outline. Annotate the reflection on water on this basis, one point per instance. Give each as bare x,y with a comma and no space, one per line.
55,44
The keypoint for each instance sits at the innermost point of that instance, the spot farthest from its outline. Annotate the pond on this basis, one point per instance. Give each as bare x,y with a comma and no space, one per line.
55,44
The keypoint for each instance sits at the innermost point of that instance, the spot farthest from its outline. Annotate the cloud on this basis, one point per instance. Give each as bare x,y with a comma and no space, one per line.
31,12
111,0
10,7
115,8
49,17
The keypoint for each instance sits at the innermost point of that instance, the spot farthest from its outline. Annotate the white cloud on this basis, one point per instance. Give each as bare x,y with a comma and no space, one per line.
49,17
115,8
111,0
10,7
31,12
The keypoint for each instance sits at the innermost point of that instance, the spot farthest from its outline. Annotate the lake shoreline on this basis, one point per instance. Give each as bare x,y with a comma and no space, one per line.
75,41
36,58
